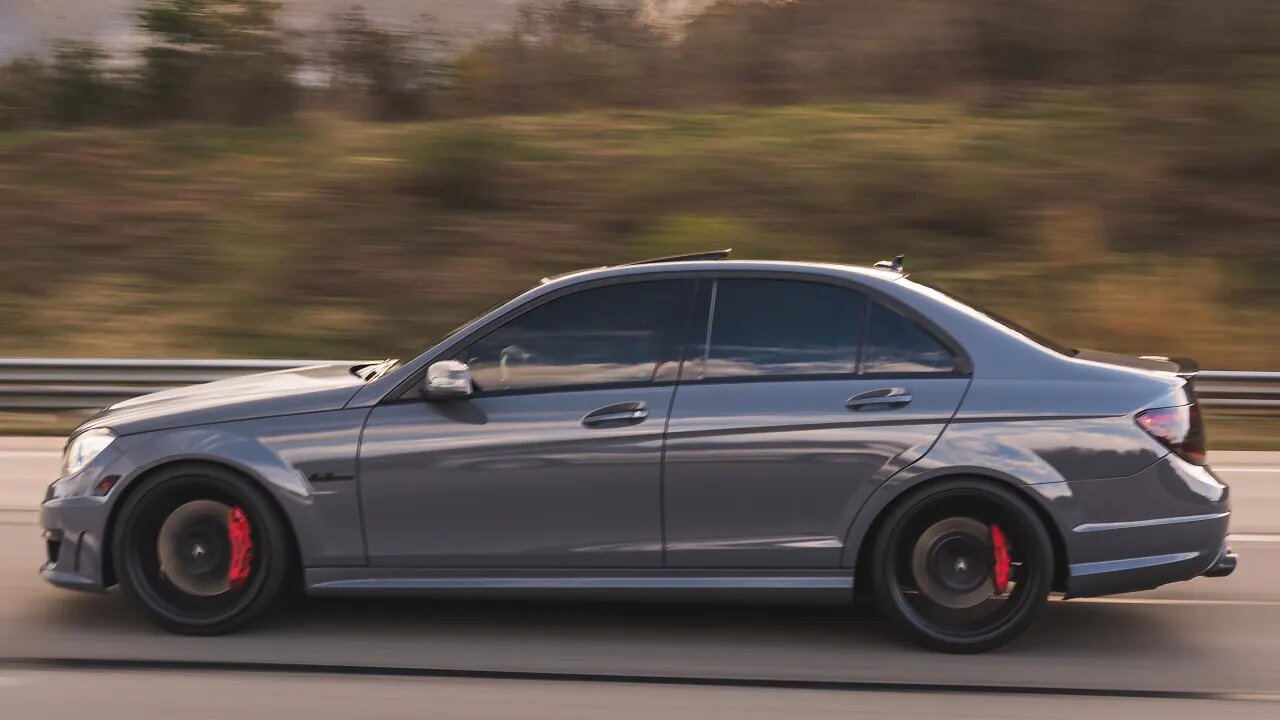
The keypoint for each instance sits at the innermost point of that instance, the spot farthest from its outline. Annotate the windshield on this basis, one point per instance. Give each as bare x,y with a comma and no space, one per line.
482,313
1013,325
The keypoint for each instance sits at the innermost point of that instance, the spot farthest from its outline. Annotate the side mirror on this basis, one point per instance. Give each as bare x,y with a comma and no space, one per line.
448,379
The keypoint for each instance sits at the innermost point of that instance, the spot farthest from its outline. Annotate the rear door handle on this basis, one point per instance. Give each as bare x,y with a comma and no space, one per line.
629,413
884,398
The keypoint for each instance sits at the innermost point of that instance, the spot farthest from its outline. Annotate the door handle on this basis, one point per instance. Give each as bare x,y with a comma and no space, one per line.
886,398
629,413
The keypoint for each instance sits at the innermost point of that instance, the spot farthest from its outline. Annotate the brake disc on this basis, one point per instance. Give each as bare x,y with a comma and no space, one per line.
194,549
951,563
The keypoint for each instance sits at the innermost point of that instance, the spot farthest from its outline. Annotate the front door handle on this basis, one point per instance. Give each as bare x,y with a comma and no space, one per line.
628,413
884,398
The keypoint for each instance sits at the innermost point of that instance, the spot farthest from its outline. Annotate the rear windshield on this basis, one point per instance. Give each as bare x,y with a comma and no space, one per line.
1017,327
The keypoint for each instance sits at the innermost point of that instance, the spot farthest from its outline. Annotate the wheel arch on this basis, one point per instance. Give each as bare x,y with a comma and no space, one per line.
195,464
869,523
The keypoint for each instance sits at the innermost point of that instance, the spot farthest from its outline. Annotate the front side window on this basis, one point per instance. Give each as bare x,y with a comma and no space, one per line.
896,344
611,334
783,327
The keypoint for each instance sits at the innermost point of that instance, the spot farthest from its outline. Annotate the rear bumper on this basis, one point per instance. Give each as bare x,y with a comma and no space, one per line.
1145,573
1165,524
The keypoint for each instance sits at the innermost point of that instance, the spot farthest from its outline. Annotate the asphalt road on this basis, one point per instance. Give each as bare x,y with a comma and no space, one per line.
1203,647
127,696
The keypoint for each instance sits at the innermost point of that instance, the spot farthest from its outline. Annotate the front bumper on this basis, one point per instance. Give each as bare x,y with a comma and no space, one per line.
1165,524
73,534
75,526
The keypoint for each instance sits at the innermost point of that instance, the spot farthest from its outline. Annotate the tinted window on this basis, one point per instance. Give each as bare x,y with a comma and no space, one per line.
783,327
897,344
617,333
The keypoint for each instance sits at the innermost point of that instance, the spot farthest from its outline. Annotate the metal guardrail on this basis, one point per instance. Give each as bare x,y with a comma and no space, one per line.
65,384
1238,389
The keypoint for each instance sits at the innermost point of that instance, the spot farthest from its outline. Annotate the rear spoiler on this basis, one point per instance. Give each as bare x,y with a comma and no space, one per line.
1187,367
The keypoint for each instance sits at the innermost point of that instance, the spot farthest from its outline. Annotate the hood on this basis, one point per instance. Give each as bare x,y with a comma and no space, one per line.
283,392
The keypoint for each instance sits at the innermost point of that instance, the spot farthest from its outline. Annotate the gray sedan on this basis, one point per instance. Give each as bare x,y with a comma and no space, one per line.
690,427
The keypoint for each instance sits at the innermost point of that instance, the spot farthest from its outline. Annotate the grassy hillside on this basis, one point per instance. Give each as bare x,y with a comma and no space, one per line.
1101,222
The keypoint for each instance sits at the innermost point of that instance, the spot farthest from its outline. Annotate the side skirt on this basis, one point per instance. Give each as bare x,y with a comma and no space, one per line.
812,586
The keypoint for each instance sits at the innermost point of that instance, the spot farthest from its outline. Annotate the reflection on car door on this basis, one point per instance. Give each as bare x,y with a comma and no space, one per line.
555,461
809,396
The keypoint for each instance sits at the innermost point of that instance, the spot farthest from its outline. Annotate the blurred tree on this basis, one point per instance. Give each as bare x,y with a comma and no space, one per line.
779,51
565,54
1016,40
230,61
74,87
741,51
217,60
80,90
395,73
23,93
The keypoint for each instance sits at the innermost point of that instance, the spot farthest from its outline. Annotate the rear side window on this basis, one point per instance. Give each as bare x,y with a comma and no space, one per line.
783,327
896,344
611,334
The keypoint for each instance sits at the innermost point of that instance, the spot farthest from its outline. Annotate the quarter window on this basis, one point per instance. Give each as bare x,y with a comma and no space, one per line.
896,344
783,327
611,334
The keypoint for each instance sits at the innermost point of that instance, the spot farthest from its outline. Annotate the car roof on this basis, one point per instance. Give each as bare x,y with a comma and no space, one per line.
992,349
677,265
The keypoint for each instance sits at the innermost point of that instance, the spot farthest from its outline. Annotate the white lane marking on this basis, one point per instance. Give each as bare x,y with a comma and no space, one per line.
12,682
30,453
1253,538
1229,469
1173,601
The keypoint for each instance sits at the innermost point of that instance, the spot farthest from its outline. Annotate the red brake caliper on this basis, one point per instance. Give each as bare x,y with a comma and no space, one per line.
1000,568
241,549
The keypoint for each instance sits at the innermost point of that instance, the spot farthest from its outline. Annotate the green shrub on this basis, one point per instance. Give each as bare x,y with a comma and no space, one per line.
464,168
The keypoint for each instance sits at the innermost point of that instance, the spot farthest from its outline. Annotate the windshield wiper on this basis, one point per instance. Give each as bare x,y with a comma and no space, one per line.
375,370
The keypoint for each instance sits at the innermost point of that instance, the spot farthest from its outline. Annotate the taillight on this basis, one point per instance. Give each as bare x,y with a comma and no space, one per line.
1178,428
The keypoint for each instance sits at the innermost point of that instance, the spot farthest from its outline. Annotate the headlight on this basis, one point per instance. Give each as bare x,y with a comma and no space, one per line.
83,448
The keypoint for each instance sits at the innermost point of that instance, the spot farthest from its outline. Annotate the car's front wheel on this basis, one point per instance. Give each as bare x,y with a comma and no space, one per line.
963,566
201,549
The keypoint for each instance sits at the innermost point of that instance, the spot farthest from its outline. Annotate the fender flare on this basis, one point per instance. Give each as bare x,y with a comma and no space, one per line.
284,485
904,483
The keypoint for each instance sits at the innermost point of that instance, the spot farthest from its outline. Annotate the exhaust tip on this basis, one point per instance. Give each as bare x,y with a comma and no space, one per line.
1225,565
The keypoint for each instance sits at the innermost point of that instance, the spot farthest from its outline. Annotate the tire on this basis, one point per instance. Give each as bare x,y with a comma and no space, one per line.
930,577
181,508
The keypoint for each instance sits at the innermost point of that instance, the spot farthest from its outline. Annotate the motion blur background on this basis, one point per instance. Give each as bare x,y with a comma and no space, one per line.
312,179
240,178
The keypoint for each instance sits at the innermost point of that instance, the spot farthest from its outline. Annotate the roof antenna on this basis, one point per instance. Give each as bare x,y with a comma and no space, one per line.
896,265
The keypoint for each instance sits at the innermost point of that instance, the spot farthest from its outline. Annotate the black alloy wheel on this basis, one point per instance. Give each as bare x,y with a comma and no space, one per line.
963,566
201,549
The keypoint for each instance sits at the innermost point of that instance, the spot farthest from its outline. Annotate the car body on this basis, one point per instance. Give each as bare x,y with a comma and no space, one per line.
639,440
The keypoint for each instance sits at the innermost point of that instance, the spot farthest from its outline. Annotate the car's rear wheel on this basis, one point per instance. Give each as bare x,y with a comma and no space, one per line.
964,566
202,550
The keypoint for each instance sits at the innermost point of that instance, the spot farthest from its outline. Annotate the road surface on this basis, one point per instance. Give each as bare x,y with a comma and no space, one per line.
1207,647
